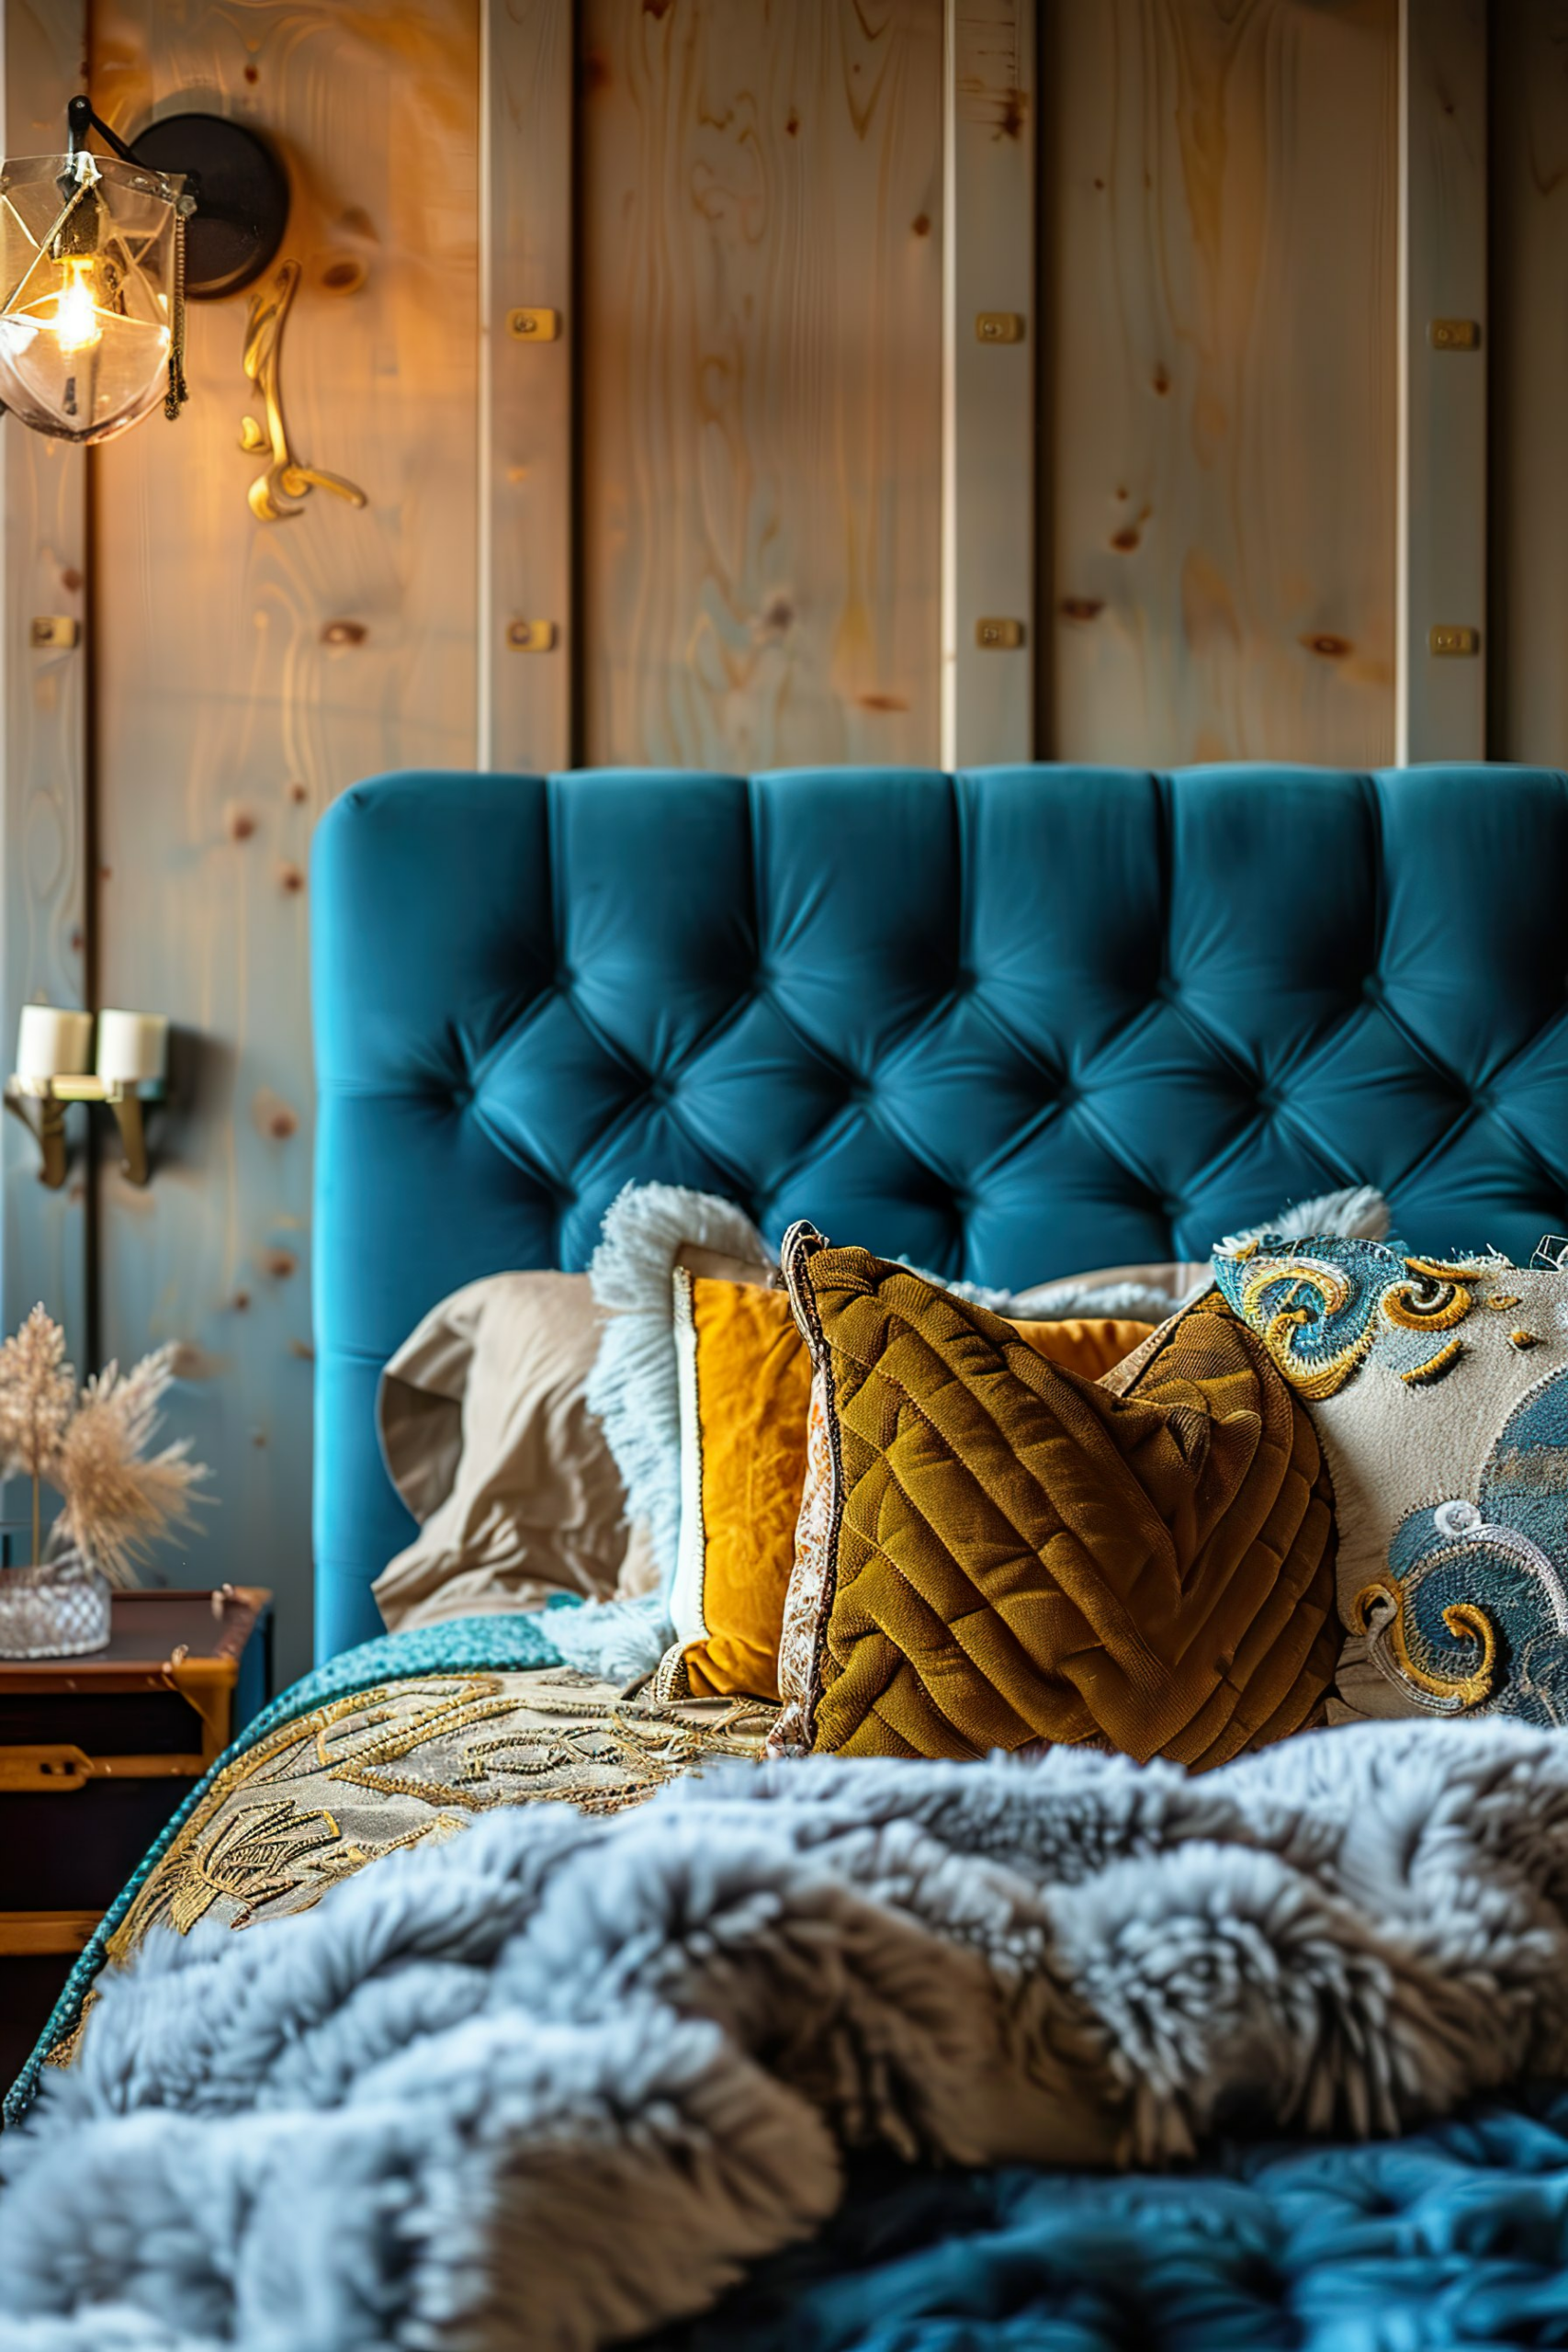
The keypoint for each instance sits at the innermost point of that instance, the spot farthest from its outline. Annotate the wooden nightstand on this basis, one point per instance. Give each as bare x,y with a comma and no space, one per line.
95,1754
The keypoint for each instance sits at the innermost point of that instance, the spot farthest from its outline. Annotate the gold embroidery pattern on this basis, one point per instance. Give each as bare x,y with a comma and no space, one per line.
1405,1306
406,1763
1290,1301
363,1759
1378,1612
1421,1375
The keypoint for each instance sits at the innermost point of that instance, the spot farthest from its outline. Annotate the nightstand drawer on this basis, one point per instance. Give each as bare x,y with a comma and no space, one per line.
151,1722
76,1853
96,1755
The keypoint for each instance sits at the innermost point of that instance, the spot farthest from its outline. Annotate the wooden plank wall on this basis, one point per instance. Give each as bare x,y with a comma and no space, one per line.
990,329
526,634
720,484
247,671
1219,364
761,265
1528,383
1443,638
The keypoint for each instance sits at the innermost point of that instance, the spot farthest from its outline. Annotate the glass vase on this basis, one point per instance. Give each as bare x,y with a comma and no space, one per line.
58,1607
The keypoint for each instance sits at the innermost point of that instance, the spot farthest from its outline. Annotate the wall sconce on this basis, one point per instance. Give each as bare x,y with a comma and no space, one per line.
99,254
54,1050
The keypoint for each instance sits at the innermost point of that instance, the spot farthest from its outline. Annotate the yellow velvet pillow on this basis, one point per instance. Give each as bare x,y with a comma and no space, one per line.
744,1395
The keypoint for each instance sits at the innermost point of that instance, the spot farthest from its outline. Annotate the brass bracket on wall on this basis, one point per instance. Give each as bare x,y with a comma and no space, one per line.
40,1105
44,1119
285,477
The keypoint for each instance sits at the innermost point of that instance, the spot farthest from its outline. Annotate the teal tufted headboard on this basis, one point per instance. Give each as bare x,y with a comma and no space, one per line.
1009,1024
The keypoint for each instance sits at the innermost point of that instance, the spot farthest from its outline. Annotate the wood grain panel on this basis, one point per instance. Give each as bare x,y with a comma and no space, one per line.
1219,408
1528,673
1441,697
989,403
762,298
247,673
43,853
525,388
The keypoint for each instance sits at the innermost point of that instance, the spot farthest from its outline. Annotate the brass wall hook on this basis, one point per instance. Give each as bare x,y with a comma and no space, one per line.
285,477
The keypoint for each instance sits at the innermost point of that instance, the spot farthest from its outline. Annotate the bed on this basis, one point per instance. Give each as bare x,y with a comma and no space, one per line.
1008,1023
1013,1022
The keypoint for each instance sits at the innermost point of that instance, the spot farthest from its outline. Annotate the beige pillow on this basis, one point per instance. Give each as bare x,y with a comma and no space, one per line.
486,1435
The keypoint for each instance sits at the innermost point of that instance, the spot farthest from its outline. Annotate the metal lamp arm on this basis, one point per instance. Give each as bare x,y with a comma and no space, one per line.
80,118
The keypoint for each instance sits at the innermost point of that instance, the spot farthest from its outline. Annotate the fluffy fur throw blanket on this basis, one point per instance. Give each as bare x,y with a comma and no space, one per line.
559,2079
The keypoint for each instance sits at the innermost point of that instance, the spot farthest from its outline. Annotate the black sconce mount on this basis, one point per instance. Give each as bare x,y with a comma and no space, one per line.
239,186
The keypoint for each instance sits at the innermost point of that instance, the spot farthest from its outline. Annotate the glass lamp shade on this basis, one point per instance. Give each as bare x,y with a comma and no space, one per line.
90,261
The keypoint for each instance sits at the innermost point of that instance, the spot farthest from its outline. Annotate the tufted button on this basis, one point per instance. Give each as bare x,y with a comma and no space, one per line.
566,980
1372,989
660,1092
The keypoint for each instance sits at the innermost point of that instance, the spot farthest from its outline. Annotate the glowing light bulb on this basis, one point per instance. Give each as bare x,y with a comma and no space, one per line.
74,326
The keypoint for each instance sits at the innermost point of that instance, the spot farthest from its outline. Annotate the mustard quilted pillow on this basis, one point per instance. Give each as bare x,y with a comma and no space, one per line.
999,1551
745,1386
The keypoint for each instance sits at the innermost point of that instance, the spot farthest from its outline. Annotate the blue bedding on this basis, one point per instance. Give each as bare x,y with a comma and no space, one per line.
1456,2236
931,1009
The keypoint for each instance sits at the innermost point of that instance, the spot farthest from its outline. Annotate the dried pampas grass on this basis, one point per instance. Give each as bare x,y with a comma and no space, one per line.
37,1392
92,1449
119,1500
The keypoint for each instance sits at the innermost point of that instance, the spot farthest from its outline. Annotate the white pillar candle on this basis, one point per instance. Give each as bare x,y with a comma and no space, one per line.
52,1043
132,1046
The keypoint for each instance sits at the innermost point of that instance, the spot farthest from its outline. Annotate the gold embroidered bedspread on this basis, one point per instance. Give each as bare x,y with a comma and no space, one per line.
412,1761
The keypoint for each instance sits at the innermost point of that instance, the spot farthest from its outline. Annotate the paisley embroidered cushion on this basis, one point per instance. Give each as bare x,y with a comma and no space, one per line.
995,1550
1439,1389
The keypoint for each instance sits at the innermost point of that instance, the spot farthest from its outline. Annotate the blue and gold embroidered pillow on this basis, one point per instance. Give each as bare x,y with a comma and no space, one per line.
1439,1391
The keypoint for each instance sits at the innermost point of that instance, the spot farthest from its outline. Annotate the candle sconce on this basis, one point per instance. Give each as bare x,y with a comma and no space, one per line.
40,1105
133,1050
